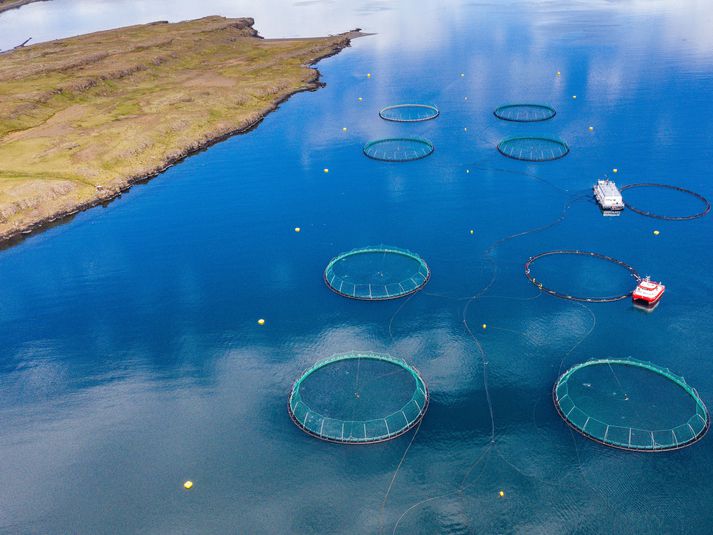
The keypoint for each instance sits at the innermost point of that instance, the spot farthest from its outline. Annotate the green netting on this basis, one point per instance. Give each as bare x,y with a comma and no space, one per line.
398,149
533,149
631,404
525,113
376,273
358,398
409,113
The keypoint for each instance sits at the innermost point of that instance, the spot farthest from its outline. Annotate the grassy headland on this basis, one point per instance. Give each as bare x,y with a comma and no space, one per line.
81,119
14,4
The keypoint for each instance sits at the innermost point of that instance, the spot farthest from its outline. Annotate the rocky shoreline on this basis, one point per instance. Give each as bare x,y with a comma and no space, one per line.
14,4
105,194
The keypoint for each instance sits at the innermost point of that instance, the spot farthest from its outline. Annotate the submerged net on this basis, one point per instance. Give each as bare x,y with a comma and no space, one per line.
706,206
533,149
358,398
631,404
376,273
525,113
591,277
409,113
398,149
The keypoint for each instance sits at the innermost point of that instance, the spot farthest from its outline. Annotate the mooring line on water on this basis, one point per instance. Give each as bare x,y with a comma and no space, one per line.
393,316
483,355
393,478
457,490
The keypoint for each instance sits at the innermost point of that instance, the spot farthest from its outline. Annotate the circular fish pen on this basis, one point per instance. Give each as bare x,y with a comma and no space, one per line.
697,215
590,299
358,398
533,149
630,404
398,149
525,113
409,113
376,273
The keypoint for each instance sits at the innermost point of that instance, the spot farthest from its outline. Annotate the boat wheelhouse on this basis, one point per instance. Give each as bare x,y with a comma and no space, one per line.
648,293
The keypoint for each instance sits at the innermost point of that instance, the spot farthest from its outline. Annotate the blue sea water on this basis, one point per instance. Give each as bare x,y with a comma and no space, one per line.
131,355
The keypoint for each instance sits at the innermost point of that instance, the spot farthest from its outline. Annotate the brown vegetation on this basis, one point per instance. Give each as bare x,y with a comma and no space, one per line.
83,118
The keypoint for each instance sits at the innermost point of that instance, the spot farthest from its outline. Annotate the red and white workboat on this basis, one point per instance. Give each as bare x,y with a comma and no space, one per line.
648,293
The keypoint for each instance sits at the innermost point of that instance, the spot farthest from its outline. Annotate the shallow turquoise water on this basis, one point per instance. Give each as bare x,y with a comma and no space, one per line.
132,359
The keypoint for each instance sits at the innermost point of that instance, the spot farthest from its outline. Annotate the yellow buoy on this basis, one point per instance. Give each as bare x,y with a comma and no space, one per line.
368,75
558,73
261,321
574,97
326,170
591,129
472,231
360,99
502,493
344,129
485,326
298,229
656,233
188,485
615,170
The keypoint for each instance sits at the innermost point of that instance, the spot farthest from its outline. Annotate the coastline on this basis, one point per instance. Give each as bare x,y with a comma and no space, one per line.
16,4
104,195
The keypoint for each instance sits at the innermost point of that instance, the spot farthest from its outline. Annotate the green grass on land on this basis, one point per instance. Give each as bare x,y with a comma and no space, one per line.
80,118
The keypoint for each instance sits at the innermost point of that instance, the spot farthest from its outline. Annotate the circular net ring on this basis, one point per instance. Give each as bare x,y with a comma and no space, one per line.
370,291
525,113
370,431
398,149
706,209
626,437
533,149
409,113
607,299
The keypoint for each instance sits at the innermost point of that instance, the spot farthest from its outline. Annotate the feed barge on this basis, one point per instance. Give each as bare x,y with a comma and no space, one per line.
608,196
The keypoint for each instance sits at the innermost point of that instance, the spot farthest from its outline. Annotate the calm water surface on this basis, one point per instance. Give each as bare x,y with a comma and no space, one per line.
131,356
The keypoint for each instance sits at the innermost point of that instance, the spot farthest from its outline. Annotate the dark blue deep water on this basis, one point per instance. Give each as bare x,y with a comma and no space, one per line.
131,355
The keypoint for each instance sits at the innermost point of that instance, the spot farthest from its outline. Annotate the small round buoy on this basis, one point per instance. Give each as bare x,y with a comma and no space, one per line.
485,326
656,233
501,493
368,75
261,321
472,231
591,129
360,99
188,485
298,229
558,73
344,129
326,170
462,74
615,170
574,97
465,98
465,129
467,171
